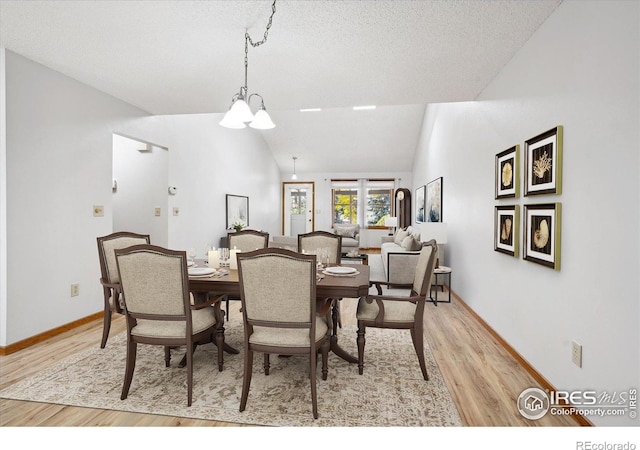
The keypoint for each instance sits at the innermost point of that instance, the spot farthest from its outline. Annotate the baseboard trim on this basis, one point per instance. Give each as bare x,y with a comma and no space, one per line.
21,345
544,383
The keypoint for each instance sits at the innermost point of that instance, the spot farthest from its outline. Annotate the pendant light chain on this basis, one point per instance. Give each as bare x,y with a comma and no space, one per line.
248,40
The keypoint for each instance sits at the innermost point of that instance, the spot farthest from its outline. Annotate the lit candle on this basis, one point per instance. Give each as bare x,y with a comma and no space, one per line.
213,259
233,261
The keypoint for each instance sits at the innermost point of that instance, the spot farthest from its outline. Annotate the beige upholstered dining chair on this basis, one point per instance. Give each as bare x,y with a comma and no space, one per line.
386,311
109,273
278,294
158,309
310,243
245,241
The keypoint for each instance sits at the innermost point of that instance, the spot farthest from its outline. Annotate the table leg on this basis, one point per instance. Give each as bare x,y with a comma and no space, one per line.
333,342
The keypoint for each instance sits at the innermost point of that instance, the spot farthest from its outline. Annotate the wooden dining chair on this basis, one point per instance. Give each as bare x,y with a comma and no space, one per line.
109,273
245,241
278,295
400,312
158,308
313,241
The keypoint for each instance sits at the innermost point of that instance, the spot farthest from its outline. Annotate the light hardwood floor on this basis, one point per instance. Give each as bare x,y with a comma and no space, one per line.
483,378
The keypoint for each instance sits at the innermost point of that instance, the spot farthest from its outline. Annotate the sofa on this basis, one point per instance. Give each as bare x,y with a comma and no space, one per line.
400,254
350,238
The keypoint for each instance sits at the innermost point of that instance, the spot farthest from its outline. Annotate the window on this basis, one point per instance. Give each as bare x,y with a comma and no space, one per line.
345,201
379,202
298,201
370,208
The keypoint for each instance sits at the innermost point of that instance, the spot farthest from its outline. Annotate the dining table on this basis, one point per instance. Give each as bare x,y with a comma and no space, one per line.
329,290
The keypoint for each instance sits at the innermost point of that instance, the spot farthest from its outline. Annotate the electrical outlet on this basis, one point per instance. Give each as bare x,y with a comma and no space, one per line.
98,211
576,353
158,211
176,211
75,289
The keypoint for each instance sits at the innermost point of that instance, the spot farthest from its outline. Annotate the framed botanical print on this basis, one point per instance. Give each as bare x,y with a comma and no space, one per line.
237,210
420,212
508,173
433,207
507,229
543,163
541,238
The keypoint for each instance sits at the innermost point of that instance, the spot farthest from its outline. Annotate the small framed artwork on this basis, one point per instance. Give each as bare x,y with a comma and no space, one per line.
420,196
433,208
541,238
237,210
543,163
507,229
508,173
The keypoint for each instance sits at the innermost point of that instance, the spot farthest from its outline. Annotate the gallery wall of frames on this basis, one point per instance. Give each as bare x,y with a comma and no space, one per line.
541,224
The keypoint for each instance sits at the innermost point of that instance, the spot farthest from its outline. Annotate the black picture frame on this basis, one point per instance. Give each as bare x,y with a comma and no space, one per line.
237,210
433,206
507,180
541,234
543,163
420,204
506,234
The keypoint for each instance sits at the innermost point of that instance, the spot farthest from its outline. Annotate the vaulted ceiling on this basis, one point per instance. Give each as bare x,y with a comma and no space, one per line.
184,57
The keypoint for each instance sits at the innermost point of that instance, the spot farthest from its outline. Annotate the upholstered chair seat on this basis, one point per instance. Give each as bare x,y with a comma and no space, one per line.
288,337
202,319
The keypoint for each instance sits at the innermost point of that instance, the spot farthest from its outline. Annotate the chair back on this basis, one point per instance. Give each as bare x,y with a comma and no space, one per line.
278,288
310,242
107,245
424,268
154,282
248,240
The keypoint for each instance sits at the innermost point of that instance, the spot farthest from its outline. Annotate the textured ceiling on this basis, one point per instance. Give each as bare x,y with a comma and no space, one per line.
179,57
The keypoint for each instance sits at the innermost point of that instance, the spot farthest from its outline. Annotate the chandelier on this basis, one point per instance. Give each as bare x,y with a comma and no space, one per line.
239,113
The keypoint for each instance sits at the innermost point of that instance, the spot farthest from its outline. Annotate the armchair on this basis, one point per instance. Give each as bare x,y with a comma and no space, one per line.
278,294
158,308
385,311
110,279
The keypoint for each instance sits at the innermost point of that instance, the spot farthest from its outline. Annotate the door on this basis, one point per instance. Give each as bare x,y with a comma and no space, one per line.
298,207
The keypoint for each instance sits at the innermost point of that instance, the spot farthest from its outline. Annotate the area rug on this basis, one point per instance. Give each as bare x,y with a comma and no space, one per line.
391,392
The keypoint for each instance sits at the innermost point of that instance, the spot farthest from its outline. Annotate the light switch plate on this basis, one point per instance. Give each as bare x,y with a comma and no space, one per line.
158,211
98,211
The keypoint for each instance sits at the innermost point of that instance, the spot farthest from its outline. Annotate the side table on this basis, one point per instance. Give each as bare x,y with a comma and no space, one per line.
440,271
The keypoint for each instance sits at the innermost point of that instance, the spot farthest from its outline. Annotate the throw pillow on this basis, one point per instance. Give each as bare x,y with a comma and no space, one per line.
409,243
400,236
345,232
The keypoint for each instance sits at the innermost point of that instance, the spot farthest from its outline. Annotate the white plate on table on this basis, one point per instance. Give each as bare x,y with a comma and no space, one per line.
341,270
201,271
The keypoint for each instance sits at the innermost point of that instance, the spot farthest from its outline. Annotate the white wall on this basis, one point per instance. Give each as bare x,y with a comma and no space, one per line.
579,70
206,162
142,186
59,164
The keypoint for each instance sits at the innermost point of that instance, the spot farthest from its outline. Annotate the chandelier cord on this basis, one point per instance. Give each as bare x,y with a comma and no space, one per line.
248,40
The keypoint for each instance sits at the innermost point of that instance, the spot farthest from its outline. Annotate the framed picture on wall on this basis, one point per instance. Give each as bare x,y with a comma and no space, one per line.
237,210
506,229
543,163
541,238
420,197
433,208
508,173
